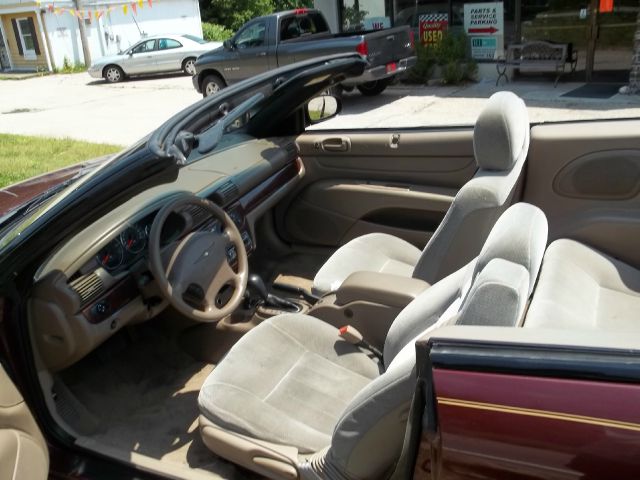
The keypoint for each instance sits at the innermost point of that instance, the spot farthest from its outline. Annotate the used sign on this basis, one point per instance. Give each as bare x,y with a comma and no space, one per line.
432,27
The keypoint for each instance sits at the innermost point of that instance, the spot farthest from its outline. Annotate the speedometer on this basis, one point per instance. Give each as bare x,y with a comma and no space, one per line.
133,239
112,255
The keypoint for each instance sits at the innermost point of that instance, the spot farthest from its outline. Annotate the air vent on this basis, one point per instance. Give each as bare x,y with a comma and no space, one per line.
88,287
198,215
225,194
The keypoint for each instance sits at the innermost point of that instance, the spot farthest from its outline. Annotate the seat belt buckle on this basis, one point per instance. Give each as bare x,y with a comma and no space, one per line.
354,337
351,335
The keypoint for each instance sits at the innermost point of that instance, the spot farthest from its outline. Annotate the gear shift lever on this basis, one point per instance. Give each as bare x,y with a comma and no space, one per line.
256,284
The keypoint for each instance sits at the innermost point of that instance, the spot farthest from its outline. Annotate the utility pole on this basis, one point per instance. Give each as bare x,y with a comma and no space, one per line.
593,38
83,36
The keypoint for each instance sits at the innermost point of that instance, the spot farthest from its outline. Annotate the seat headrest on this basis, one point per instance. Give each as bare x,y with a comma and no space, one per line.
519,236
501,133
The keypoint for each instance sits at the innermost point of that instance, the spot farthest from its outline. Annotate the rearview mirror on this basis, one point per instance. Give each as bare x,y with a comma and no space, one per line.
323,107
228,44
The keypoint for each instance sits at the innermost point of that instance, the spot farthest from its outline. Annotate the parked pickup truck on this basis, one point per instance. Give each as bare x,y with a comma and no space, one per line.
272,41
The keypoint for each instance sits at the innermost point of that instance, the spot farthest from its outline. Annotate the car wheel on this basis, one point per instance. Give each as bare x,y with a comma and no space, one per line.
113,74
189,66
212,84
371,89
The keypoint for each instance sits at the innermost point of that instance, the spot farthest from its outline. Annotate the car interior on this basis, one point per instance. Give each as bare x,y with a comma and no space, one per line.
257,316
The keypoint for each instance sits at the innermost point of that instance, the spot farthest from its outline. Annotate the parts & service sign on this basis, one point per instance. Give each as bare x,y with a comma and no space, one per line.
484,24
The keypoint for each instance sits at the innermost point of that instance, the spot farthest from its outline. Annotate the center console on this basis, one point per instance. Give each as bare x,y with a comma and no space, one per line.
370,302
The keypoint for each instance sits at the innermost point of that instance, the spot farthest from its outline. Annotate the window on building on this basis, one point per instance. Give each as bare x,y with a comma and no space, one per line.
26,39
365,15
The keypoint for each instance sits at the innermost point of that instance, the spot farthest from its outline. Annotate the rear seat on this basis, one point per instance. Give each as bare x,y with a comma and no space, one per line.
582,288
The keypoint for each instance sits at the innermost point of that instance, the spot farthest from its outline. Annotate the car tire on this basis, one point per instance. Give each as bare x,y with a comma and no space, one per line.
113,74
371,89
212,84
189,66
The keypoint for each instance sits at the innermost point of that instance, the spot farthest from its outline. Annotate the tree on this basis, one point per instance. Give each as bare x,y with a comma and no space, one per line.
281,5
234,13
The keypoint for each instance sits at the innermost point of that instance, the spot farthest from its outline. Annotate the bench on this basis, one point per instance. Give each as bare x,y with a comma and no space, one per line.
539,56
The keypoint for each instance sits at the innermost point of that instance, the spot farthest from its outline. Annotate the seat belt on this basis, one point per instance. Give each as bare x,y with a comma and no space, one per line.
404,467
421,421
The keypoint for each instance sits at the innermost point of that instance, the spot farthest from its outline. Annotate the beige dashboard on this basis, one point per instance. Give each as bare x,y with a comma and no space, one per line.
81,297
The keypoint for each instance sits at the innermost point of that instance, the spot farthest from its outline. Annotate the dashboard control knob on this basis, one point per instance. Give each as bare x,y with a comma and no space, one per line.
102,308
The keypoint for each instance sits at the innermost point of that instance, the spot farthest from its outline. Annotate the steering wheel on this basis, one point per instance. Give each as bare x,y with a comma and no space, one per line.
197,263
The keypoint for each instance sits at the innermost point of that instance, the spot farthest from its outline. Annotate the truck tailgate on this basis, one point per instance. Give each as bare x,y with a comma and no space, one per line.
388,46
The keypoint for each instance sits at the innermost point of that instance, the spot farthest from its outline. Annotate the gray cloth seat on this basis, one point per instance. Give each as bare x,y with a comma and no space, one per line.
501,144
292,383
583,288
294,361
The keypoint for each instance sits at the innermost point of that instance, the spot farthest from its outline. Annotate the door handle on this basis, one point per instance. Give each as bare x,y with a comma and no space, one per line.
337,144
261,54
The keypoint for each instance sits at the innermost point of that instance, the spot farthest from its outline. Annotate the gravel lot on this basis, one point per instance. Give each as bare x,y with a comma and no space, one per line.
79,107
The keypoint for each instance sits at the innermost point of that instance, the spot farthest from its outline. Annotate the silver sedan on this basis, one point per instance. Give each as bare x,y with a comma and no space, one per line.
157,54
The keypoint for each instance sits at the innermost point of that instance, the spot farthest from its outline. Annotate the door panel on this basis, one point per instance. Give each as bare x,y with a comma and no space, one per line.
505,403
23,451
401,183
586,178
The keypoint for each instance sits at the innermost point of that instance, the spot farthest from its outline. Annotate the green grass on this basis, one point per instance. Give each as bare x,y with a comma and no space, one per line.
23,157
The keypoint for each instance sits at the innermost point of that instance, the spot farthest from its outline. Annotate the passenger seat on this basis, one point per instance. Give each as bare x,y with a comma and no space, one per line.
500,144
582,288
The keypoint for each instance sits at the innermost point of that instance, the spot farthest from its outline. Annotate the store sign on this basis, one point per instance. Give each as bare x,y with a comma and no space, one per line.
432,28
484,24
377,23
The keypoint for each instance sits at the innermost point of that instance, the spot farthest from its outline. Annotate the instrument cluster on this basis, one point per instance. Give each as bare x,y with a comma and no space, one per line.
131,243
127,247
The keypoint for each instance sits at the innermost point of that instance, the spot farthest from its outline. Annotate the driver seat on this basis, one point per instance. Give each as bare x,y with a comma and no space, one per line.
294,400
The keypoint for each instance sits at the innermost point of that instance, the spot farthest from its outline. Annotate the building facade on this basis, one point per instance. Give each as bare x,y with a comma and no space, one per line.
43,36
603,28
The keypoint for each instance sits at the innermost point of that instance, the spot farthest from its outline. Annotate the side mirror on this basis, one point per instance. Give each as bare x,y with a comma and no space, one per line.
323,107
229,45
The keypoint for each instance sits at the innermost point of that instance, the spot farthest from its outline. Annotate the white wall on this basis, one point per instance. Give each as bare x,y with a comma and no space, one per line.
115,31
119,31
64,38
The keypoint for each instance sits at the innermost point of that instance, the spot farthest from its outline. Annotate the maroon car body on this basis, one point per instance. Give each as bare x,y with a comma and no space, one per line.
15,195
496,409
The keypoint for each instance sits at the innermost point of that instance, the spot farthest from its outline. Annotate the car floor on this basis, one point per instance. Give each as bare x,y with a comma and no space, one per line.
143,391
138,392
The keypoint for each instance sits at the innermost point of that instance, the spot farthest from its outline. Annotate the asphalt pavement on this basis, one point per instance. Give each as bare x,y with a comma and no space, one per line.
77,106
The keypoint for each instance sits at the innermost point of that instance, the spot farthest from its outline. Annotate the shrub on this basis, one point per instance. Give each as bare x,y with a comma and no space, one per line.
425,64
68,67
451,54
214,32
